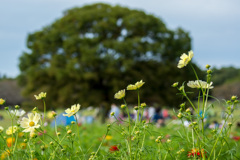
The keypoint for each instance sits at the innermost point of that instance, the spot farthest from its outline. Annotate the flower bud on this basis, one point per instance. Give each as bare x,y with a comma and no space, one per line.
209,71
112,113
182,105
6,108
35,109
17,107
25,140
188,110
229,102
69,131
67,127
181,88
123,106
180,115
58,133
73,134
169,141
175,84
159,137
233,98
157,140
207,66
229,124
108,125
143,105
54,114
51,143
73,122
2,101
136,108
194,123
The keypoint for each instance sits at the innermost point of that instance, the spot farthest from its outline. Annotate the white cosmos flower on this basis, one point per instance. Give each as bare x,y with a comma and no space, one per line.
73,110
17,113
185,59
200,84
31,122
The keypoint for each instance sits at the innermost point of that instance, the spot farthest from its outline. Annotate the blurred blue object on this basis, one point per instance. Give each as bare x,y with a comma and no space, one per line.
63,120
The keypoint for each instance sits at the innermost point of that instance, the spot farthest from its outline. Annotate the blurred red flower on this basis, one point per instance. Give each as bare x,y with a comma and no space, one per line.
113,148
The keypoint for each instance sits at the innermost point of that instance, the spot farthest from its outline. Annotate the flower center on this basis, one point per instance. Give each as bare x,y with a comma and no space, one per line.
72,111
185,60
31,124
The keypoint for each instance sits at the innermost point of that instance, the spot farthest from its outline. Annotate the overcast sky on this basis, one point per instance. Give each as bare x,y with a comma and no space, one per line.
214,25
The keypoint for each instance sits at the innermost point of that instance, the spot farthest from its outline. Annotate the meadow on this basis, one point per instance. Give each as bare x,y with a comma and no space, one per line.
186,135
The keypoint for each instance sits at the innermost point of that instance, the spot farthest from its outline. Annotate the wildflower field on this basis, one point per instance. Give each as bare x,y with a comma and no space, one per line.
27,136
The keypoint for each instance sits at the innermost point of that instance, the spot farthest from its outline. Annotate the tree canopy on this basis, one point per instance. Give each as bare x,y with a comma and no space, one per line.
94,51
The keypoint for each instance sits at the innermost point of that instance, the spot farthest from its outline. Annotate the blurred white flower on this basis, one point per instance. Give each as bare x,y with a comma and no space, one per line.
120,94
41,95
200,84
73,110
17,113
11,130
185,59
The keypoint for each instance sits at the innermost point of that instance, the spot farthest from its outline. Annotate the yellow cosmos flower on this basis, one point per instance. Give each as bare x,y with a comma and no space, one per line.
30,123
11,130
185,59
131,87
41,95
200,84
2,101
120,94
139,84
73,110
136,86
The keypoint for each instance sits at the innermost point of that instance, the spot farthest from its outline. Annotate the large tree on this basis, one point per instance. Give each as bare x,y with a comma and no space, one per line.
92,52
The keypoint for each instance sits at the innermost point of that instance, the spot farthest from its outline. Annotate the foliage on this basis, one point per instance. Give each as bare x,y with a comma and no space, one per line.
91,52
225,75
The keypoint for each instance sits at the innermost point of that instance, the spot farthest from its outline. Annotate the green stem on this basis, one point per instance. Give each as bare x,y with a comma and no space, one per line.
218,137
100,144
138,106
44,114
130,141
15,143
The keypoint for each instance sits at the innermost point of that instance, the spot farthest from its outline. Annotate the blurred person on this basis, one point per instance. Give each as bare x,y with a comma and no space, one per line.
165,114
151,112
158,118
116,110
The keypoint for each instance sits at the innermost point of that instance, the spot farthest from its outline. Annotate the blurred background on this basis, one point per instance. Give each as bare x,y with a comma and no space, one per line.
85,51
